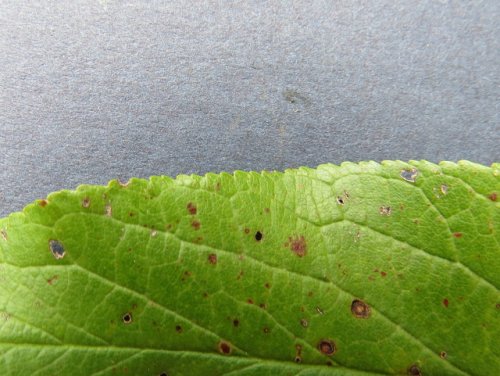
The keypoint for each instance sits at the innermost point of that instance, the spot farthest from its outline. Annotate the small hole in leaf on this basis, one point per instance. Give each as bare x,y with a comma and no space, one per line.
385,210
224,348
409,174
327,347
236,322
178,329
298,359
340,200
258,236
163,374
57,249
443,355
127,318
86,202
360,309
414,370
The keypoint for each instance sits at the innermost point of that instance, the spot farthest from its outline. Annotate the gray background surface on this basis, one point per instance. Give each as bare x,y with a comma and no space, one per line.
94,90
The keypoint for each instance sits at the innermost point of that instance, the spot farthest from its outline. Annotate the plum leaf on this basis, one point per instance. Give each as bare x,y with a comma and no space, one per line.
356,269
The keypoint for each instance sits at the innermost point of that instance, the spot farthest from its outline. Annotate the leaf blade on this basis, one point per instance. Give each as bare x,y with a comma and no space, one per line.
265,267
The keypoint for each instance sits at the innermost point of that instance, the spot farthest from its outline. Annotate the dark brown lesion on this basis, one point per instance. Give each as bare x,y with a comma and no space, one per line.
360,309
224,348
327,347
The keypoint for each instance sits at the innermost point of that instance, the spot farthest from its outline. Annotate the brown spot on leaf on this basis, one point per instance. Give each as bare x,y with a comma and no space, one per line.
327,347
247,230
304,323
457,234
249,301
263,305
383,274
446,302
131,214
443,355
57,249
497,306
414,370
154,233
360,309
178,329
3,234
236,323
258,236
191,208
212,258
340,200
267,285
86,202
266,330
127,318
224,348
267,210
43,203
196,224
52,279
493,196
298,245
320,311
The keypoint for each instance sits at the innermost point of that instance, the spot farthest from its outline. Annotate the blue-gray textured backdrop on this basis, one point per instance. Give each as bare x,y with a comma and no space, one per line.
93,90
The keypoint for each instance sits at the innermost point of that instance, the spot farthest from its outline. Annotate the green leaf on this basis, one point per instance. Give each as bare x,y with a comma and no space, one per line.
356,269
